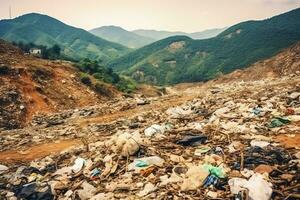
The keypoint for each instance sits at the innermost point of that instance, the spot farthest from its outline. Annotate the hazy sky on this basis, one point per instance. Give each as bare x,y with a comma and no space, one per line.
174,15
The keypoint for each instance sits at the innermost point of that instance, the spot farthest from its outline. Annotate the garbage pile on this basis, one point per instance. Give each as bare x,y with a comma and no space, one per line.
222,145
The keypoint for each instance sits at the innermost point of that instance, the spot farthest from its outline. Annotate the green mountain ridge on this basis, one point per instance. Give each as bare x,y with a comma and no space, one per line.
75,42
121,36
182,59
159,35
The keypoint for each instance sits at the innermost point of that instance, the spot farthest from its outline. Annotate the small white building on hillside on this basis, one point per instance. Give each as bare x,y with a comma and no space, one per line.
35,51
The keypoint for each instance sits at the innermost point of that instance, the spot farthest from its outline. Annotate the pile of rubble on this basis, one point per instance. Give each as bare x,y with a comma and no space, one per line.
12,109
223,145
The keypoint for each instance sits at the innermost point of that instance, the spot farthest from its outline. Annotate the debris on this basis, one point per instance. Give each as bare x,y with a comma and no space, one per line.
149,187
256,110
192,140
257,143
147,171
126,144
194,178
78,165
294,95
216,171
179,112
259,188
95,173
212,194
154,129
3,169
87,191
141,102
34,191
263,169
145,162
234,146
278,122
217,146
210,180
202,150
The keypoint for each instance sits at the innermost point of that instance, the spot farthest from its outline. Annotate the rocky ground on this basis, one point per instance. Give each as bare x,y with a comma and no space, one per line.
214,141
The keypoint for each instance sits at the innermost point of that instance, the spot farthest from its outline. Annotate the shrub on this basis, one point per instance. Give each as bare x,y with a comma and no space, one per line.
102,89
126,85
85,79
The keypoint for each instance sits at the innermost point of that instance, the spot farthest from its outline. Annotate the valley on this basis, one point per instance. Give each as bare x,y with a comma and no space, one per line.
220,109
147,114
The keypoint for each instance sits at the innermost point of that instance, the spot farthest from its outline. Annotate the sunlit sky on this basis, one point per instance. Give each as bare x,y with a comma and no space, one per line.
172,15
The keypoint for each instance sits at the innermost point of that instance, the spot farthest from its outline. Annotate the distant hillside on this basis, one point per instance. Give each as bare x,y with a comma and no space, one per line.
286,62
182,59
121,36
44,30
207,33
158,35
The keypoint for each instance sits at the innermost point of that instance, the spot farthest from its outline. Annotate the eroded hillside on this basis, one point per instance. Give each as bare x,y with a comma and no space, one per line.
31,86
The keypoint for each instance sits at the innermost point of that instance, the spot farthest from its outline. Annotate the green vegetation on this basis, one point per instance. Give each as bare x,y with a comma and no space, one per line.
126,84
104,74
182,59
121,36
102,89
85,79
46,53
75,43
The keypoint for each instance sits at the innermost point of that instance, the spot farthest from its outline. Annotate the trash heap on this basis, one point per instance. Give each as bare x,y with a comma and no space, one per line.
226,144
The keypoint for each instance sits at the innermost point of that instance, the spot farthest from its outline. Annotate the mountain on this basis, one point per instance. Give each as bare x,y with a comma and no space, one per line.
158,35
182,59
121,36
206,33
44,30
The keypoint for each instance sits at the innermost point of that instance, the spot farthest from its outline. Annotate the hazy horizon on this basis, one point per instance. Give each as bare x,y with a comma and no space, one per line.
155,15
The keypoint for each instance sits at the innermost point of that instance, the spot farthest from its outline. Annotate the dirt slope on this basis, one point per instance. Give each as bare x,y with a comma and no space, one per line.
30,86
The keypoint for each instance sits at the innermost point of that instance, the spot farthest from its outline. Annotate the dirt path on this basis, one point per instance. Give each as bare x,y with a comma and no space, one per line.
42,150
160,105
36,152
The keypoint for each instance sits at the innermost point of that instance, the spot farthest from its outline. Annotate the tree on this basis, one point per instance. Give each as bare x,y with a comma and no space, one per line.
56,50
